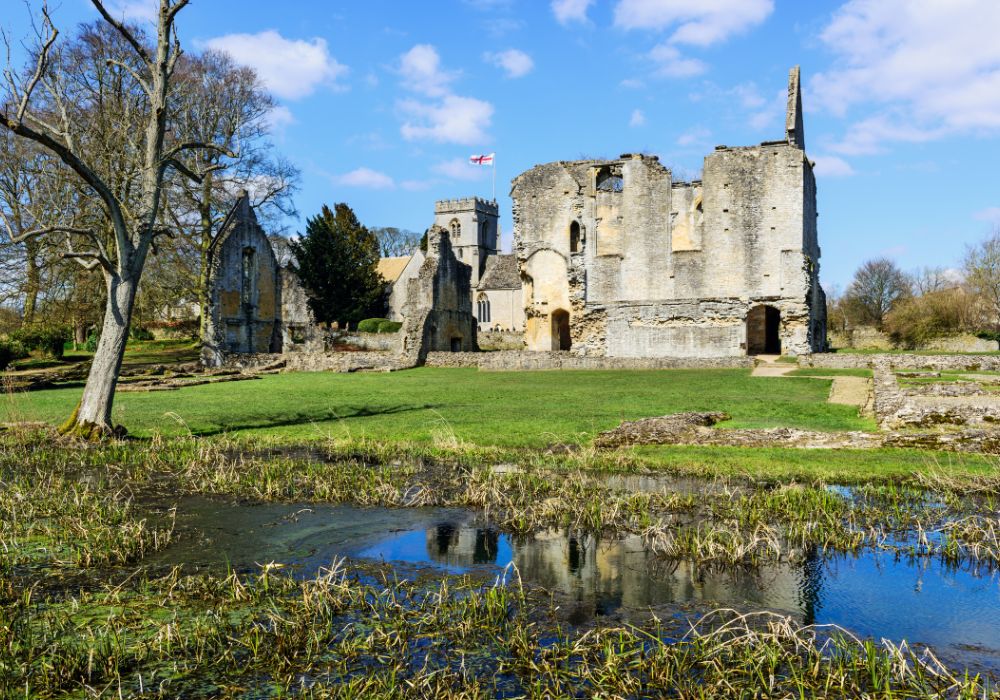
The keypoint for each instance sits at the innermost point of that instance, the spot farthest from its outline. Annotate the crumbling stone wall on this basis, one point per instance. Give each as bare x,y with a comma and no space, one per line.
438,310
244,313
648,267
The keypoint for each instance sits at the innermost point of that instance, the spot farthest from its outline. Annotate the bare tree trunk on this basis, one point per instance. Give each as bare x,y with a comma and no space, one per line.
204,244
33,281
92,417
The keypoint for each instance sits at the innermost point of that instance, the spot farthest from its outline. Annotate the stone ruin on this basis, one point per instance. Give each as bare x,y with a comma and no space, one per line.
619,260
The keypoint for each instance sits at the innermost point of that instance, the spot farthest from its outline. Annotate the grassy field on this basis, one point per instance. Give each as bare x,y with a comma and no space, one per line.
525,409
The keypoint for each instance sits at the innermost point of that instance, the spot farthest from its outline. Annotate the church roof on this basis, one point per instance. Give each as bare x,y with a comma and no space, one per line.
392,268
502,272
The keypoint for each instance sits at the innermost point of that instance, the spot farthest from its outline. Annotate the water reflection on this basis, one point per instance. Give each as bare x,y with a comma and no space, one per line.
875,595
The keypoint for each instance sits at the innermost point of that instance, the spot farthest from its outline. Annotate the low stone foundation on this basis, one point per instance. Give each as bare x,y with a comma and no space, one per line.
512,360
966,363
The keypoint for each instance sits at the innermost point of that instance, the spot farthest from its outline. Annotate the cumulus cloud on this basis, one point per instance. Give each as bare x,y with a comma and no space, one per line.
290,68
694,136
421,70
366,178
832,166
637,118
454,119
671,64
697,23
461,169
514,62
922,69
279,118
143,10
445,117
569,11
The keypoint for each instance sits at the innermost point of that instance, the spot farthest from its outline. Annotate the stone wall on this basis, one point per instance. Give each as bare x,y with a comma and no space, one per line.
511,360
968,363
869,338
500,340
646,267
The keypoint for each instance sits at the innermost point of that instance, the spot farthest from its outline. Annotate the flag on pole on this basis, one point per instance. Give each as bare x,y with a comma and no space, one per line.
483,159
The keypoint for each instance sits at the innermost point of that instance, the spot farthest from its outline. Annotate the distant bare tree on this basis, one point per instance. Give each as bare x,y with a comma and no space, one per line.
104,105
395,242
982,275
877,286
928,280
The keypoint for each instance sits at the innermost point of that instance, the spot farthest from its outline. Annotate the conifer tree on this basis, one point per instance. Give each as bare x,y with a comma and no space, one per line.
337,261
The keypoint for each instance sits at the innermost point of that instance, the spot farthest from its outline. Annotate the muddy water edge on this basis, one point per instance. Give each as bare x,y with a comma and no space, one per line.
207,571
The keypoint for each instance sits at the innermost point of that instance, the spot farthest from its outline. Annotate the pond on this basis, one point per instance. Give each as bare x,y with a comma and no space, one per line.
956,611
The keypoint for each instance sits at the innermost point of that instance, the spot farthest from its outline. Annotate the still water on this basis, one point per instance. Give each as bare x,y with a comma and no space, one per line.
957,612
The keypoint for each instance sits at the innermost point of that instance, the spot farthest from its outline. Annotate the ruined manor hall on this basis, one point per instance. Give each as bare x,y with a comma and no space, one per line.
617,259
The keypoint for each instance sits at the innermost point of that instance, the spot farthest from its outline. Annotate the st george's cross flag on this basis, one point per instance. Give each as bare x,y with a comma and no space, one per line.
482,160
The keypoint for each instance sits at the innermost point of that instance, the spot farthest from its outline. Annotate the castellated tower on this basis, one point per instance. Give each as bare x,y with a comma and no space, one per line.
472,225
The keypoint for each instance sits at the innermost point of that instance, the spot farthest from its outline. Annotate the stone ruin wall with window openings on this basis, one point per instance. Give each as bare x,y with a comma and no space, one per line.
619,260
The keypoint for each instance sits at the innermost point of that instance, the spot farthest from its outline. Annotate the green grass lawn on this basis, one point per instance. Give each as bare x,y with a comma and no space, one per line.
821,372
523,409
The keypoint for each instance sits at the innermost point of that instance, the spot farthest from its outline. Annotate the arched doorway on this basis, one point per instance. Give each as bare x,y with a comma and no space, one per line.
560,330
764,331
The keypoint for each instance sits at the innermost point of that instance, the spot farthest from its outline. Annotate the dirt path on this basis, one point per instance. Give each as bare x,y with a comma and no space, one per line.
768,366
850,391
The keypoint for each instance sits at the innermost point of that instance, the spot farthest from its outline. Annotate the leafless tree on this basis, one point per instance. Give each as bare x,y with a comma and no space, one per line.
982,276
928,280
223,103
394,242
103,105
877,285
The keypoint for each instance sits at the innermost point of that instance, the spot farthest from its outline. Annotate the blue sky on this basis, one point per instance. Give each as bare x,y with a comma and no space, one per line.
382,102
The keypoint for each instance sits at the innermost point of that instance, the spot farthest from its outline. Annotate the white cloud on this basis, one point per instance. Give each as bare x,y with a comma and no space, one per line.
567,11
143,10
367,178
454,119
832,166
290,68
279,119
922,69
420,68
448,118
637,118
694,136
670,64
990,214
417,185
514,62
700,23
632,84
461,169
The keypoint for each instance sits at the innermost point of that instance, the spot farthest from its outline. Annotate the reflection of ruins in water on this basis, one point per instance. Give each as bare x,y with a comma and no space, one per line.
600,576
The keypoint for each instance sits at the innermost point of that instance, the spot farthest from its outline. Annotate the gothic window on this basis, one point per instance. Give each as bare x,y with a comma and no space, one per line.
484,309
456,230
247,277
610,179
574,237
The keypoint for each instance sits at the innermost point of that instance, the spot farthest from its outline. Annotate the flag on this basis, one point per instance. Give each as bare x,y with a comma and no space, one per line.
482,160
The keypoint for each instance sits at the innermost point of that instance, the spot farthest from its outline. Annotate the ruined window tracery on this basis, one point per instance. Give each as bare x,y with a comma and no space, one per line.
247,276
609,179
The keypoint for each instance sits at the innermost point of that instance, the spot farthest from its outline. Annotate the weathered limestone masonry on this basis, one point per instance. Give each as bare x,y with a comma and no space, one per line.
257,304
521,360
438,310
473,229
618,260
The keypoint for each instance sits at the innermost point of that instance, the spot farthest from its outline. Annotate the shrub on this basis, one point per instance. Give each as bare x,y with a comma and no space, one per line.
11,350
916,320
141,334
93,338
389,326
370,325
51,340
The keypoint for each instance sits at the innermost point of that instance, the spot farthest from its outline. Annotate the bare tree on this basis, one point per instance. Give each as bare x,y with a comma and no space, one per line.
982,276
102,105
877,286
928,280
223,103
394,242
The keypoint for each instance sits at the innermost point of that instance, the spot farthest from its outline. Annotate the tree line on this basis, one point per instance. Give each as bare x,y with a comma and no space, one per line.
932,302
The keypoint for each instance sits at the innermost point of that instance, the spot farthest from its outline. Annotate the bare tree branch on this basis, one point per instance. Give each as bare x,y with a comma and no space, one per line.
124,31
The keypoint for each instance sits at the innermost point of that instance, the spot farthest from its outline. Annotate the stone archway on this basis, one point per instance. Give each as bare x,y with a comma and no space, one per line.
764,330
561,339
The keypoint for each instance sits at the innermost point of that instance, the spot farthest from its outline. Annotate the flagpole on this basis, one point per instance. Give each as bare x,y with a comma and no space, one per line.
494,177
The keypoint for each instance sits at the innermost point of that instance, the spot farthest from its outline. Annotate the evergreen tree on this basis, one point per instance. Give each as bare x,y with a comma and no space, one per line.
336,261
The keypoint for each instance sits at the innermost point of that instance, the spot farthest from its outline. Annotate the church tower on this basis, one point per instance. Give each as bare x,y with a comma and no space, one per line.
473,225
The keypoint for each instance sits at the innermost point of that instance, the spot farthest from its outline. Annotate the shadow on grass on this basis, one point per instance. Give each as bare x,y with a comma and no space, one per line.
320,417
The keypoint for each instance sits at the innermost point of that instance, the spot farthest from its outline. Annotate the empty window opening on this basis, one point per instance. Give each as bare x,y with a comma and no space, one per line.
484,310
561,339
247,278
764,331
574,237
456,344
610,179
456,229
